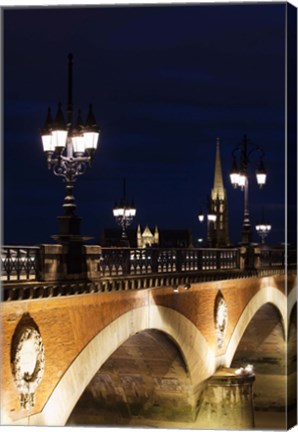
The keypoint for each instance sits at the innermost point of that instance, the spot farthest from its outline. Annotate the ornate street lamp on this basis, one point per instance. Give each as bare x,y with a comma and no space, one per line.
239,177
124,214
263,228
69,149
210,216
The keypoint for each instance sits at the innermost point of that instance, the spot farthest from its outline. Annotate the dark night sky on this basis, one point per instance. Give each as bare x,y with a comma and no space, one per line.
165,82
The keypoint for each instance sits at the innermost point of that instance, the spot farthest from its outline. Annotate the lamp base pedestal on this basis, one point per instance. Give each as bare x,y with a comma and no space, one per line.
69,225
72,245
246,235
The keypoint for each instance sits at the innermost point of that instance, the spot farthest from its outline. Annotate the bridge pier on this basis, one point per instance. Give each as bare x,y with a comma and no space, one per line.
227,401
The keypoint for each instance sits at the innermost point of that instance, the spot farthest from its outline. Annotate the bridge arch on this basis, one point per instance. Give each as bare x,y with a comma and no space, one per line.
292,301
198,357
265,295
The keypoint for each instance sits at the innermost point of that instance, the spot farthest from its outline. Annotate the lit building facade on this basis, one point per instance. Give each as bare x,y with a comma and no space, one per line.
147,238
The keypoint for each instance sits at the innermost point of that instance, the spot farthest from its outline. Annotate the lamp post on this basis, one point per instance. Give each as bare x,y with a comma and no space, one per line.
69,149
239,177
124,214
211,219
263,228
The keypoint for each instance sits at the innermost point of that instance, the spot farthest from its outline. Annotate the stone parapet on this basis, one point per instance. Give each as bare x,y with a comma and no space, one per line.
50,260
91,255
69,262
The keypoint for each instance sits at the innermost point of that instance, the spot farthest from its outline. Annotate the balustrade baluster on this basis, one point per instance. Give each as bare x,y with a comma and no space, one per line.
8,264
18,264
28,264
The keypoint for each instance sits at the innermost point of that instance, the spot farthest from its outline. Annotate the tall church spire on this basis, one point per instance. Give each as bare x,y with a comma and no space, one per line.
218,231
218,187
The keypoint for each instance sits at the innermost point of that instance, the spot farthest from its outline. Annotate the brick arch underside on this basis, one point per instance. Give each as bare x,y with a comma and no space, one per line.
263,343
143,383
198,357
264,296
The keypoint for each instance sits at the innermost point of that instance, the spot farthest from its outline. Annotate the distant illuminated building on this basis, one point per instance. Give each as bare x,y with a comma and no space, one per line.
218,230
147,238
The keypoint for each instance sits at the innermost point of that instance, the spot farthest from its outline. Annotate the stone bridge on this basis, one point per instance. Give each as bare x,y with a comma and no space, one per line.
186,338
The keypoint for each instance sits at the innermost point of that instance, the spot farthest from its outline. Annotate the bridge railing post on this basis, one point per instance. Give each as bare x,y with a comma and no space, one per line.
91,260
154,260
199,259
249,257
257,259
242,257
56,263
50,262
126,262
237,258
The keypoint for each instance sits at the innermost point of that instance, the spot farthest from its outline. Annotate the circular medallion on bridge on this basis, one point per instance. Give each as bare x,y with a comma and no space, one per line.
221,319
27,363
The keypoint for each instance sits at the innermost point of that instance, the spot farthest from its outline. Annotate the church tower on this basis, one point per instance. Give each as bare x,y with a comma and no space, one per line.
218,231
139,237
156,236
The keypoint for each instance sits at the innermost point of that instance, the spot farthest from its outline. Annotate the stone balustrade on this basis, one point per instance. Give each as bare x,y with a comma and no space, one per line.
49,262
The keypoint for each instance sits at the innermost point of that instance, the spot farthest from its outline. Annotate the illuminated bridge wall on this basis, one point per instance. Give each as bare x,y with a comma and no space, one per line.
194,331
